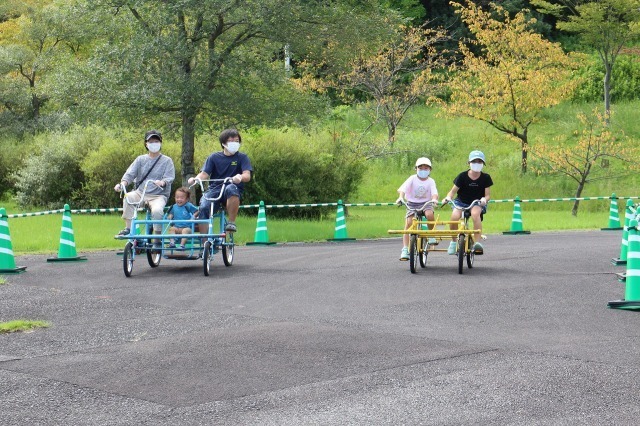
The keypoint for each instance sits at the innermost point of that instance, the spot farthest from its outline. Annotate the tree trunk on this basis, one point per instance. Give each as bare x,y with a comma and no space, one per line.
35,107
391,134
607,91
576,203
188,141
524,143
35,101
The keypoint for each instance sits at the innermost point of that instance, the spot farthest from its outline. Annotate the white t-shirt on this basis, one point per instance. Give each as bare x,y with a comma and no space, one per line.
417,190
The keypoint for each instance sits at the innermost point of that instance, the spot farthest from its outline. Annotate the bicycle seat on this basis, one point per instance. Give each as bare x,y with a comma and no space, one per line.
467,215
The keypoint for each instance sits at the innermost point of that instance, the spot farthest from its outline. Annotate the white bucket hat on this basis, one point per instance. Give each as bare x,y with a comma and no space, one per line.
423,160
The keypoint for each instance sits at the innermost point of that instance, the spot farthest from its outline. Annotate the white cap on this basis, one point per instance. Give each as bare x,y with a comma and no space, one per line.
423,160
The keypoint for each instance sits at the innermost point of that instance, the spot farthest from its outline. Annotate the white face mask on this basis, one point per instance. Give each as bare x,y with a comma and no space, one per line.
423,173
154,147
476,167
233,147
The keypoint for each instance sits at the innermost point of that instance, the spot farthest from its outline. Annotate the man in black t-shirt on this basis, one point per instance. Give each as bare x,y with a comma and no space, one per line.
471,185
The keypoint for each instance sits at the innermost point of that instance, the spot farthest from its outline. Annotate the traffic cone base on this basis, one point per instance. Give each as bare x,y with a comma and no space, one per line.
16,270
622,277
67,259
631,305
515,232
261,236
67,250
618,261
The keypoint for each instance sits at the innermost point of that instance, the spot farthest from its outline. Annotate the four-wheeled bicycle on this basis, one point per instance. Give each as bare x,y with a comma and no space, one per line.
424,240
141,239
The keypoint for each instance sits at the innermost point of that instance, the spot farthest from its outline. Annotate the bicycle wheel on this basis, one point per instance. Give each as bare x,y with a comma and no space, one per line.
470,253
422,248
206,258
413,253
227,250
127,259
154,257
461,253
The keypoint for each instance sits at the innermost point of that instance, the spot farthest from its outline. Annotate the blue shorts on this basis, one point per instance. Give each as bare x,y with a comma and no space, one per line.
462,205
230,190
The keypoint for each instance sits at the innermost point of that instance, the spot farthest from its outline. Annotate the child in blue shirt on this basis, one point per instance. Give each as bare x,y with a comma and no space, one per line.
181,210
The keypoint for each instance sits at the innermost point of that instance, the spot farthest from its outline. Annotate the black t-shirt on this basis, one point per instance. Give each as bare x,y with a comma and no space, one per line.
470,189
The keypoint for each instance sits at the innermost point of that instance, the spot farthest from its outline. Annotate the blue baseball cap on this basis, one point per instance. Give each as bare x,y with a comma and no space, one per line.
474,155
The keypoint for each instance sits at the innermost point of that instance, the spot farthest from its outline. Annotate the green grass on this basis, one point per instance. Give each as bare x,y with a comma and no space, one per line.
95,232
21,325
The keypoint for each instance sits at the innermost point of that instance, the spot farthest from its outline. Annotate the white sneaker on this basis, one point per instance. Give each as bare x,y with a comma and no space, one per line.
432,241
404,254
478,249
452,248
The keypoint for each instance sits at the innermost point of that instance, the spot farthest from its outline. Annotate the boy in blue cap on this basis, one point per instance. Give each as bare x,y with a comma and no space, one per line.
470,185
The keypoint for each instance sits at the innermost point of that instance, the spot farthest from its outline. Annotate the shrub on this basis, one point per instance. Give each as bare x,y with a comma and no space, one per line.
12,159
103,168
50,176
291,167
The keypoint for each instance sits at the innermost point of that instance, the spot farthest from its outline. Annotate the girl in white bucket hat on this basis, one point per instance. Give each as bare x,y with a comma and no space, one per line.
414,192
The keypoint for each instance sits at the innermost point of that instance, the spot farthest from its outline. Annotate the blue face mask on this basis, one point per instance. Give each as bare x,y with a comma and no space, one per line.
423,173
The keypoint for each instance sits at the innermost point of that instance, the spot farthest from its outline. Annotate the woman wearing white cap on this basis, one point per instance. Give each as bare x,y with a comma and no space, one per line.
414,192
471,185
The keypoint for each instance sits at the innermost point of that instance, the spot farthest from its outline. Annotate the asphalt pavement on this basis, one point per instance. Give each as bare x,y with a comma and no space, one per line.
327,334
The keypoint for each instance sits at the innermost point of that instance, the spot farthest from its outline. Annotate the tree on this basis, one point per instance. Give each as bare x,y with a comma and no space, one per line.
196,64
34,38
606,26
403,71
587,160
516,77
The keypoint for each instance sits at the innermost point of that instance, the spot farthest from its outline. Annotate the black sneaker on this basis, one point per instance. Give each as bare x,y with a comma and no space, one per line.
231,227
125,231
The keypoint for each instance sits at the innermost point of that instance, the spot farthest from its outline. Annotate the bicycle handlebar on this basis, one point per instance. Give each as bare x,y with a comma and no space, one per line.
223,182
124,192
473,203
198,181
